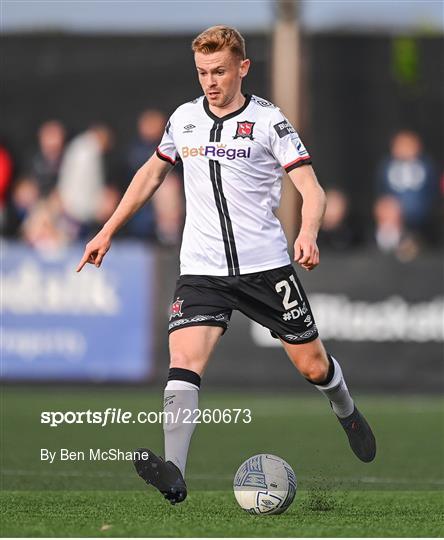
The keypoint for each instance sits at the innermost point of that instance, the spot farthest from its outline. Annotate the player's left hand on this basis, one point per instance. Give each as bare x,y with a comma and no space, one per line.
306,251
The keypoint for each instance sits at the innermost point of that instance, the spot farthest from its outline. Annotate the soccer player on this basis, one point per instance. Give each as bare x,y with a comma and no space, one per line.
234,149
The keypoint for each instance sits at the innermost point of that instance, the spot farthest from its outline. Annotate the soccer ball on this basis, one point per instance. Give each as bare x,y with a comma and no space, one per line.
265,484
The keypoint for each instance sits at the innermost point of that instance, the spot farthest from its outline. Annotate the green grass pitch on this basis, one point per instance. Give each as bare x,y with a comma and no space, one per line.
400,494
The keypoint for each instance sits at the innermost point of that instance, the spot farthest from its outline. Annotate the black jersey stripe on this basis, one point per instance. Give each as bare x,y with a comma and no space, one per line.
229,224
213,132
224,218
216,131
219,131
221,204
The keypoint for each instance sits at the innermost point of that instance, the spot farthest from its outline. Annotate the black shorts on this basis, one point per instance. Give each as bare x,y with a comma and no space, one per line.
273,298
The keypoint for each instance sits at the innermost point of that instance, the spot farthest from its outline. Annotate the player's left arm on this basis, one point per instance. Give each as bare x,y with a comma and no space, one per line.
306,251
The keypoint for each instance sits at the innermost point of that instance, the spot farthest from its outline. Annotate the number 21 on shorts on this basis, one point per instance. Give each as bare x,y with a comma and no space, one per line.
287,303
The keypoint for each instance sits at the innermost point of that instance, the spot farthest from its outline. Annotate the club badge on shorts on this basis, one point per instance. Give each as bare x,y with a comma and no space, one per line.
176,309
244,130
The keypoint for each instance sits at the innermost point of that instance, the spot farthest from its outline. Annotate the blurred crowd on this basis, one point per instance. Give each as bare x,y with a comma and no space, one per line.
67,188
406,209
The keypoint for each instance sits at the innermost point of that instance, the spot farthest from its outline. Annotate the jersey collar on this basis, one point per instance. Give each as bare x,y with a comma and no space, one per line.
227,116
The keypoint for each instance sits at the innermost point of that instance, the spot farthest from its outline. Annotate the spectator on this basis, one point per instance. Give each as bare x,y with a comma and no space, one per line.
160,219
44,165
407,184
82,182
46,228
25,195
150,126
390,223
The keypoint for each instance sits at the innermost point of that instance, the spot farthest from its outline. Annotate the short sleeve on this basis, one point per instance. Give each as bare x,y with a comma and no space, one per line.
286,144
167,149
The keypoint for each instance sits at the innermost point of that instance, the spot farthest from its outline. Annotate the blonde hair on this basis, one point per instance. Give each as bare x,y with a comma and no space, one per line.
217,38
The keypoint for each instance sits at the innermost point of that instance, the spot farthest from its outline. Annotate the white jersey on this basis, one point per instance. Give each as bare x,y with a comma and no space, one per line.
233,169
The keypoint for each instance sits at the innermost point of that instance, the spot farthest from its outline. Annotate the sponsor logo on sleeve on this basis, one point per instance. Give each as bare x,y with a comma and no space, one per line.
284,128
299,146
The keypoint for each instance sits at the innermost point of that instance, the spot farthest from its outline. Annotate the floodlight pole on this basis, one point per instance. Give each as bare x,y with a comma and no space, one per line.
286,90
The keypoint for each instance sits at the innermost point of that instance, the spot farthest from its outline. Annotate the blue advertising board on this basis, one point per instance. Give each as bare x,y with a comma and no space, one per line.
95,325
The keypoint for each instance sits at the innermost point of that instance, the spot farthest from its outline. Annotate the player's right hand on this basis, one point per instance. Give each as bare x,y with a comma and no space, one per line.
95,250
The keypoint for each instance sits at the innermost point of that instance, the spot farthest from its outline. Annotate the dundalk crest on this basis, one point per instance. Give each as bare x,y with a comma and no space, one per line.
176,309
244,130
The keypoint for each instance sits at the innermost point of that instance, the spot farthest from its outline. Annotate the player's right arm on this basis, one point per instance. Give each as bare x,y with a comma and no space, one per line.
142,187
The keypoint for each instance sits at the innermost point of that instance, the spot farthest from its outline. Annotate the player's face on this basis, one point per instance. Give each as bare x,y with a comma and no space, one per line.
220,75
